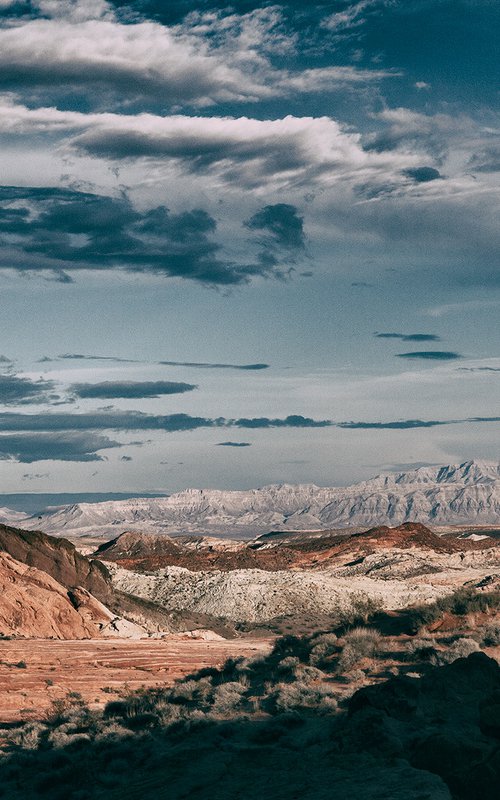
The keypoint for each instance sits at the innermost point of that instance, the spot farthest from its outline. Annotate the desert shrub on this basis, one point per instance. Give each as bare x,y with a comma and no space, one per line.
63,708
355,675
28,736
463,601
229,697
460,648
323,648
491,636
288,668
191,692
61,737
421,649
359,643
300,696
297,646
361,608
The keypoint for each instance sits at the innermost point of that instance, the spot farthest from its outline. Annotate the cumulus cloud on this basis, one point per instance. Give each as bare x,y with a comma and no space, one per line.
71,446
255,153
130,389
64,229
281,224
431,355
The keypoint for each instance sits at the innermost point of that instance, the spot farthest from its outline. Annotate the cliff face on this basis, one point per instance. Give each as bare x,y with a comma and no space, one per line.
34,605
58,558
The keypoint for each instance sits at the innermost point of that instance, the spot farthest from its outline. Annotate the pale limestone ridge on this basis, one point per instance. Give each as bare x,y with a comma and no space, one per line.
467,493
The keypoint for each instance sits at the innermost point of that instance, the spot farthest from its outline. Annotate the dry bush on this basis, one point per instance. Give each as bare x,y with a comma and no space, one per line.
300,696
359,643
361,609
421,649
323,648
491,636
229,696
460,648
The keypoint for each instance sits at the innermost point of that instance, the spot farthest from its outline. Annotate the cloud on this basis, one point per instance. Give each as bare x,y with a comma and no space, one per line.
64,436
406,424
17,390
33,476
66,229
282,225
431,355
423,174
193,364
137,420
255,153
233,444
81,357
478,369
218,58
409,337
409,424
130,389
205,365
292,421
71,446
5,360
461,308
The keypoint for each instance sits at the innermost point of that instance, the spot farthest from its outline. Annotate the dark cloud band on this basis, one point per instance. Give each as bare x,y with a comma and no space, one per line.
431,355
69,446
409,337
128,389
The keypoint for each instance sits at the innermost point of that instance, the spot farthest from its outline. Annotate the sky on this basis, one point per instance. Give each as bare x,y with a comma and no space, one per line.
246,244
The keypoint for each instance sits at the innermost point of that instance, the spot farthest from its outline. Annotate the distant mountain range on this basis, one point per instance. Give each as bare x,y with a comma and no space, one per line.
461,494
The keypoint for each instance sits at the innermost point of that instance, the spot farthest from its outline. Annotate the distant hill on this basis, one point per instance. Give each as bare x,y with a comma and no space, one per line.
457,494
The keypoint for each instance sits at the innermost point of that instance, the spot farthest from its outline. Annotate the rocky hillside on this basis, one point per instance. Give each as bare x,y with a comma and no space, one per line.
78,577
34,605
145,552
467,493
264,580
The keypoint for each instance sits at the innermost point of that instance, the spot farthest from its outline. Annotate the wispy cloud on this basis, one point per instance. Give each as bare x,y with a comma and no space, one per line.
215,365
431,355
409,337
81,357
233,444
461,307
